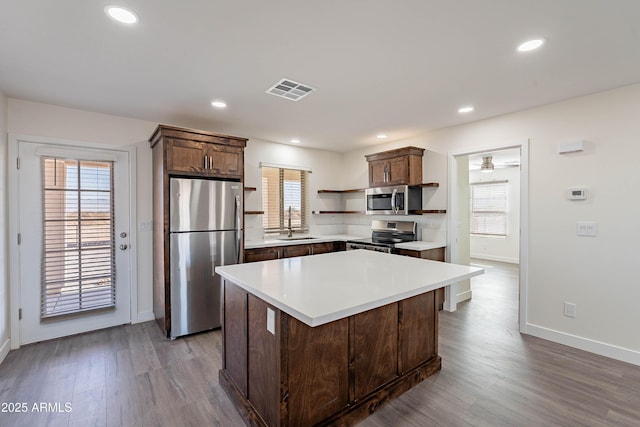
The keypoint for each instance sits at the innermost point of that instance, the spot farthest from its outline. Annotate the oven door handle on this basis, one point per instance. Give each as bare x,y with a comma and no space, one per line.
394,208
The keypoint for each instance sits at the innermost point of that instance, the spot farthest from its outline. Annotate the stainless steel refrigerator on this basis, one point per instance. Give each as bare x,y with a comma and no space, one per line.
205,231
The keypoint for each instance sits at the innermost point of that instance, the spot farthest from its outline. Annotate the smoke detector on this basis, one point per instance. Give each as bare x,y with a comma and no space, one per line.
290,90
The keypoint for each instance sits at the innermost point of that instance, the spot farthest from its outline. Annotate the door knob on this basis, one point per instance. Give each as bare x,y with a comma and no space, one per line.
123,247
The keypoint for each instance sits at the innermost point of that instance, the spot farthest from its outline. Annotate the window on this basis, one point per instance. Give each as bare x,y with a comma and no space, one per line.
489,208
283,188
78,266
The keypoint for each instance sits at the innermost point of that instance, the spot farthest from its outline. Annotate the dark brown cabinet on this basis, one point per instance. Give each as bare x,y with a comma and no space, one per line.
334,374
402,166
188,157
436,254
187,153
289,251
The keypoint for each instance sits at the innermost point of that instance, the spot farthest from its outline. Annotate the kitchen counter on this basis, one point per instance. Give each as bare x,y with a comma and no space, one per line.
417,245
327,339
307,287
273,241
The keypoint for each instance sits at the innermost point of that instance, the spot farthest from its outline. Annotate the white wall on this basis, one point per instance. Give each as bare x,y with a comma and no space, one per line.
504,249
598,274
35,119
4,282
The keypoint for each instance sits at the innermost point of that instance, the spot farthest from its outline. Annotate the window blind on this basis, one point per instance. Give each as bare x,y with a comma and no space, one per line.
283,188
489,201
78,257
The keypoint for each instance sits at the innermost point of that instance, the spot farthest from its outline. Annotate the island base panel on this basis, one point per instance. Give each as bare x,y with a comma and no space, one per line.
302,375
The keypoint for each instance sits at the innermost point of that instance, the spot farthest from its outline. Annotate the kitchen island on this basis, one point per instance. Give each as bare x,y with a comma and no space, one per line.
326,339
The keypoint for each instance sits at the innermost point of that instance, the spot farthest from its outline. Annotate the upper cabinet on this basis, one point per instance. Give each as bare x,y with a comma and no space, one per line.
199,153
402,166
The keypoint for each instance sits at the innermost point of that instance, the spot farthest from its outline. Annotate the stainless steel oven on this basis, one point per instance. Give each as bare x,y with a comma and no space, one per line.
384,236
397,200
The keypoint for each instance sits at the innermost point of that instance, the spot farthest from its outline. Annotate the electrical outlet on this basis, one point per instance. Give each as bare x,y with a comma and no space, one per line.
569,309
271,321
589,229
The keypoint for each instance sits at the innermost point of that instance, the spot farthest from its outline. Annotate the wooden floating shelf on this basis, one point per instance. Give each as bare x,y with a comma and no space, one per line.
250,188
357,190
337,212
254,212
429,184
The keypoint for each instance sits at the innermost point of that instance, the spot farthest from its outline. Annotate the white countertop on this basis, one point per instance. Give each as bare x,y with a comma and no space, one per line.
319,289
417,245
273,241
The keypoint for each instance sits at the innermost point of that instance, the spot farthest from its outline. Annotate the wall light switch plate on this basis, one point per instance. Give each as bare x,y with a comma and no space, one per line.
271,321
569,309
588,229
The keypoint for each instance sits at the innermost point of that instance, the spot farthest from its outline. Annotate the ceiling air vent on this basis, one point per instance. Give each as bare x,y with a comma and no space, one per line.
291,90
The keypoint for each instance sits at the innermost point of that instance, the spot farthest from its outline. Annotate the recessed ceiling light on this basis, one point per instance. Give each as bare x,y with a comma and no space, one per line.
121,14
381,136
295,141
219,104
467,109
530,45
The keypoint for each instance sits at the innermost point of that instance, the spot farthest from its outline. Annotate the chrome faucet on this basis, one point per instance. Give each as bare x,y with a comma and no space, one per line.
289,231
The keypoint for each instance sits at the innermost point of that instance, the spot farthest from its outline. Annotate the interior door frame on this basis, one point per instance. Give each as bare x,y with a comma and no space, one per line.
452,209
12,211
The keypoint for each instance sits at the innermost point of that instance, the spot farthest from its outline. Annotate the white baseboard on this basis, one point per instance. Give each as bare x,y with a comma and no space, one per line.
4,349
144,316
463,296
597,347
510,260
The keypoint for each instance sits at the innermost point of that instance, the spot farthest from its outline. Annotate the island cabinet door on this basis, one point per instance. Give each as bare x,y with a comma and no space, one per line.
264,360
318,371
417,334
375,348
235,335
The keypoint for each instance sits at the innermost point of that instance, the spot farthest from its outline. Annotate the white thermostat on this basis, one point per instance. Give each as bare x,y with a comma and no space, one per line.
577,193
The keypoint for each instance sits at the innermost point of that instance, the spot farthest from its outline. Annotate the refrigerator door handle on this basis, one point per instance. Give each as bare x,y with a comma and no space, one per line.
238,228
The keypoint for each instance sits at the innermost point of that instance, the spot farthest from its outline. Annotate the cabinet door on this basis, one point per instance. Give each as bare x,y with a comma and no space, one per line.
296,250
323,248
398,170
417,331
378,172
261,254
225,160
186,156
436,254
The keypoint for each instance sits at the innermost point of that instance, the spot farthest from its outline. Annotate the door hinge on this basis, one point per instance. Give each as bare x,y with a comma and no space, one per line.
17,162
19,238
19,314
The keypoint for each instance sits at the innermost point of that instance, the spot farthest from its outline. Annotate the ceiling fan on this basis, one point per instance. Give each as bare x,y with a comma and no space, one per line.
488,165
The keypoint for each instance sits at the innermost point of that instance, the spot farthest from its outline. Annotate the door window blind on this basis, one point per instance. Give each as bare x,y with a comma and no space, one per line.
489,201
78,257
283,188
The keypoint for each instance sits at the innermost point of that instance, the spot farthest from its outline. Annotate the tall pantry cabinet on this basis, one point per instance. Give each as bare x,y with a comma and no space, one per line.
179,152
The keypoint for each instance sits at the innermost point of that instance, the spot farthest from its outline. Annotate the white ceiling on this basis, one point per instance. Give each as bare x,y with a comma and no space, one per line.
399,67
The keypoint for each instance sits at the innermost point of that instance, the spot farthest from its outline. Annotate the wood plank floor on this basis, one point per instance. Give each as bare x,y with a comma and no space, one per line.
491,376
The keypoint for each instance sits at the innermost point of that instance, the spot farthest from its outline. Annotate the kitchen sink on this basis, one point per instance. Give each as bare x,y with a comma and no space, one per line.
296,238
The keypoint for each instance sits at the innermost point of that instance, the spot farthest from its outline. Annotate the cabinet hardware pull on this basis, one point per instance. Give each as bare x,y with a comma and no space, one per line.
210,162
205,162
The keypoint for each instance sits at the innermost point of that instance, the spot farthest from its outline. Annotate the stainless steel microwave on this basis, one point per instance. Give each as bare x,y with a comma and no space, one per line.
396,200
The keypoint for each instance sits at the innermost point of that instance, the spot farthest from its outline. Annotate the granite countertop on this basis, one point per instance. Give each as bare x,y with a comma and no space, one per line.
322,288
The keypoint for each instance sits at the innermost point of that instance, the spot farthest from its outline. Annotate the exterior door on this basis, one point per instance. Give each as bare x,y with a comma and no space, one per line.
73,222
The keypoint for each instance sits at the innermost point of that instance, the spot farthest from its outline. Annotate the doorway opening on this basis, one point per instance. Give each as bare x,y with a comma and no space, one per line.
488,222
